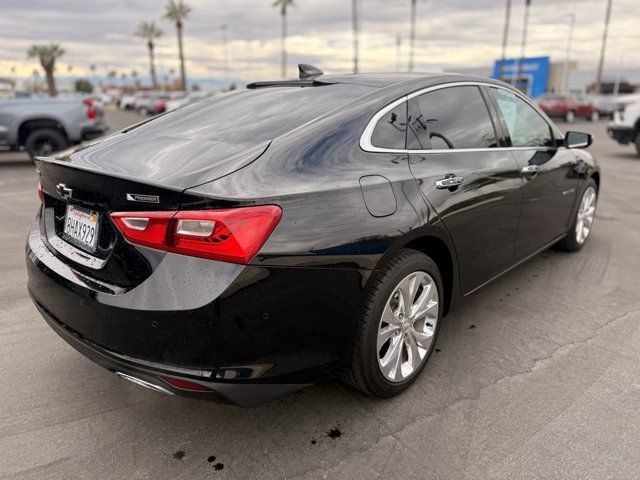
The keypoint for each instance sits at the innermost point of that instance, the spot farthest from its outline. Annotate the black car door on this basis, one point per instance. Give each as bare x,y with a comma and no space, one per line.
548,169
473,186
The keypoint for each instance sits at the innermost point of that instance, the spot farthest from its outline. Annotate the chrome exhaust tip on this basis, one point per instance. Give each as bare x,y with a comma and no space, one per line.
144,383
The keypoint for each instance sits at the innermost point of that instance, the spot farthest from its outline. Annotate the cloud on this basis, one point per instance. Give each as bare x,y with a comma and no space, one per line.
450,35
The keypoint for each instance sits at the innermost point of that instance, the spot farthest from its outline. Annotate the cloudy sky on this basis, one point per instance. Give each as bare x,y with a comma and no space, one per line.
451,34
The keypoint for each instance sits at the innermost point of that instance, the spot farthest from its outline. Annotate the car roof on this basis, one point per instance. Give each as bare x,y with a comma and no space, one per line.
391,83
375,79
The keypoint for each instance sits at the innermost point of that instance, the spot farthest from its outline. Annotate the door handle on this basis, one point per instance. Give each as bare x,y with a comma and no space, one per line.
530,171
449,181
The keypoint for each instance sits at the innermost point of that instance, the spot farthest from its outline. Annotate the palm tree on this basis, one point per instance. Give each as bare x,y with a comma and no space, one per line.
178,11
283,4
134,76
47,54
112,75
149,32
36,80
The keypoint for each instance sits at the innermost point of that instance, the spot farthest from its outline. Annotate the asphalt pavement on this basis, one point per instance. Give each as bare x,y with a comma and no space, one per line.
534,376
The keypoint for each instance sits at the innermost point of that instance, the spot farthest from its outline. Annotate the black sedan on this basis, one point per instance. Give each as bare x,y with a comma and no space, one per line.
294,231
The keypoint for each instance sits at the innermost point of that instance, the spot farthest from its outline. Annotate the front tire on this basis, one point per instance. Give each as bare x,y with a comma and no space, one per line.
583,220
399,325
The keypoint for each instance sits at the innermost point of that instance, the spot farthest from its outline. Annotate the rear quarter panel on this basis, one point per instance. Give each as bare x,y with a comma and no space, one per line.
314,175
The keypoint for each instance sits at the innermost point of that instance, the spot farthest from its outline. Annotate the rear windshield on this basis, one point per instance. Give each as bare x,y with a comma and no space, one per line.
254,115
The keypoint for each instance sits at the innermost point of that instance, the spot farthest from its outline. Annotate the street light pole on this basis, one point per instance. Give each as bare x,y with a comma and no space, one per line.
398,51
567,60
412,34
602,51
616,85
525,24
225,56
505,39
354,18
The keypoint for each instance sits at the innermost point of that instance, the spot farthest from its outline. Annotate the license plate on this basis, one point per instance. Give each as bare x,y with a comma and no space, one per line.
81,227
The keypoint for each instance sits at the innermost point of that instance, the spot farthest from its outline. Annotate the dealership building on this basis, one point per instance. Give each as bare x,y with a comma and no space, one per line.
534,76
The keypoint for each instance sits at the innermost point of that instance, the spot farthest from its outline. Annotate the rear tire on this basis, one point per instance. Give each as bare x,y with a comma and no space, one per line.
416,336
570,116
44,142
574,241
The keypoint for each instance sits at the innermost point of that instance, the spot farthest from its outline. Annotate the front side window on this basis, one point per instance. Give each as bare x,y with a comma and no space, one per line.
453,117
526,127
390,131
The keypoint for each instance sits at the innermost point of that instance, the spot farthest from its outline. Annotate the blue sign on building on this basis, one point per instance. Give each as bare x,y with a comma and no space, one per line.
529,75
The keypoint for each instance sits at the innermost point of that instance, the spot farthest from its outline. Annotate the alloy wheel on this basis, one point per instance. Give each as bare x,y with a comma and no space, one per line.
45,147
407,326
586,214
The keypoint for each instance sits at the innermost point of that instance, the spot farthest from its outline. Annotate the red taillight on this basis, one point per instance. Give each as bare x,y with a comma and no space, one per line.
185,385
232,235
91,112
40,192
149,229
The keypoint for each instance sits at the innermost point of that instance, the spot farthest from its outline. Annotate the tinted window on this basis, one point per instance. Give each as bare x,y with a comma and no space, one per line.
526,127
455,117
390,131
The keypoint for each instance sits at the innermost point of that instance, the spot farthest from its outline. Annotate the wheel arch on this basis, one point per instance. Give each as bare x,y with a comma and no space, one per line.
28,126
596,178
435,243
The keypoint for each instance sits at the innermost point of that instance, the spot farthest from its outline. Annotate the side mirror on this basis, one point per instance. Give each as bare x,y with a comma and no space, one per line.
577,140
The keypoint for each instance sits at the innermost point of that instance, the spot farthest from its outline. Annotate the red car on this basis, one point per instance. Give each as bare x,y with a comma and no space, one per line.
568,107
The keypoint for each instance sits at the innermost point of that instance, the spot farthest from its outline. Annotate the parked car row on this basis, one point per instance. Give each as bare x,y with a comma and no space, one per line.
148,103
625,128
569,107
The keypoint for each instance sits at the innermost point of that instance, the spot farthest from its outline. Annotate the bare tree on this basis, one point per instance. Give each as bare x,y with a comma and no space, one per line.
178,11
47,54
150,32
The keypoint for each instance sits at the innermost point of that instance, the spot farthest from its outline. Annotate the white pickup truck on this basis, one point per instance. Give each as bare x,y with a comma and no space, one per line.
625,128
45,125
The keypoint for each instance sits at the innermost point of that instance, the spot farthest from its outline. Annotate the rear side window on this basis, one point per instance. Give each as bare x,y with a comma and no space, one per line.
391,129
454,117
526,127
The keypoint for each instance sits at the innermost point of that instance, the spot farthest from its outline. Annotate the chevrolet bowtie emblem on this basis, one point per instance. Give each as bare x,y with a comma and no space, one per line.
64,191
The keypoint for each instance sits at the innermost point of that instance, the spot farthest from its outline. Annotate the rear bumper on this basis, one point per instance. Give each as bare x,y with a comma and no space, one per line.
153,374
275,328
623,135
95,131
